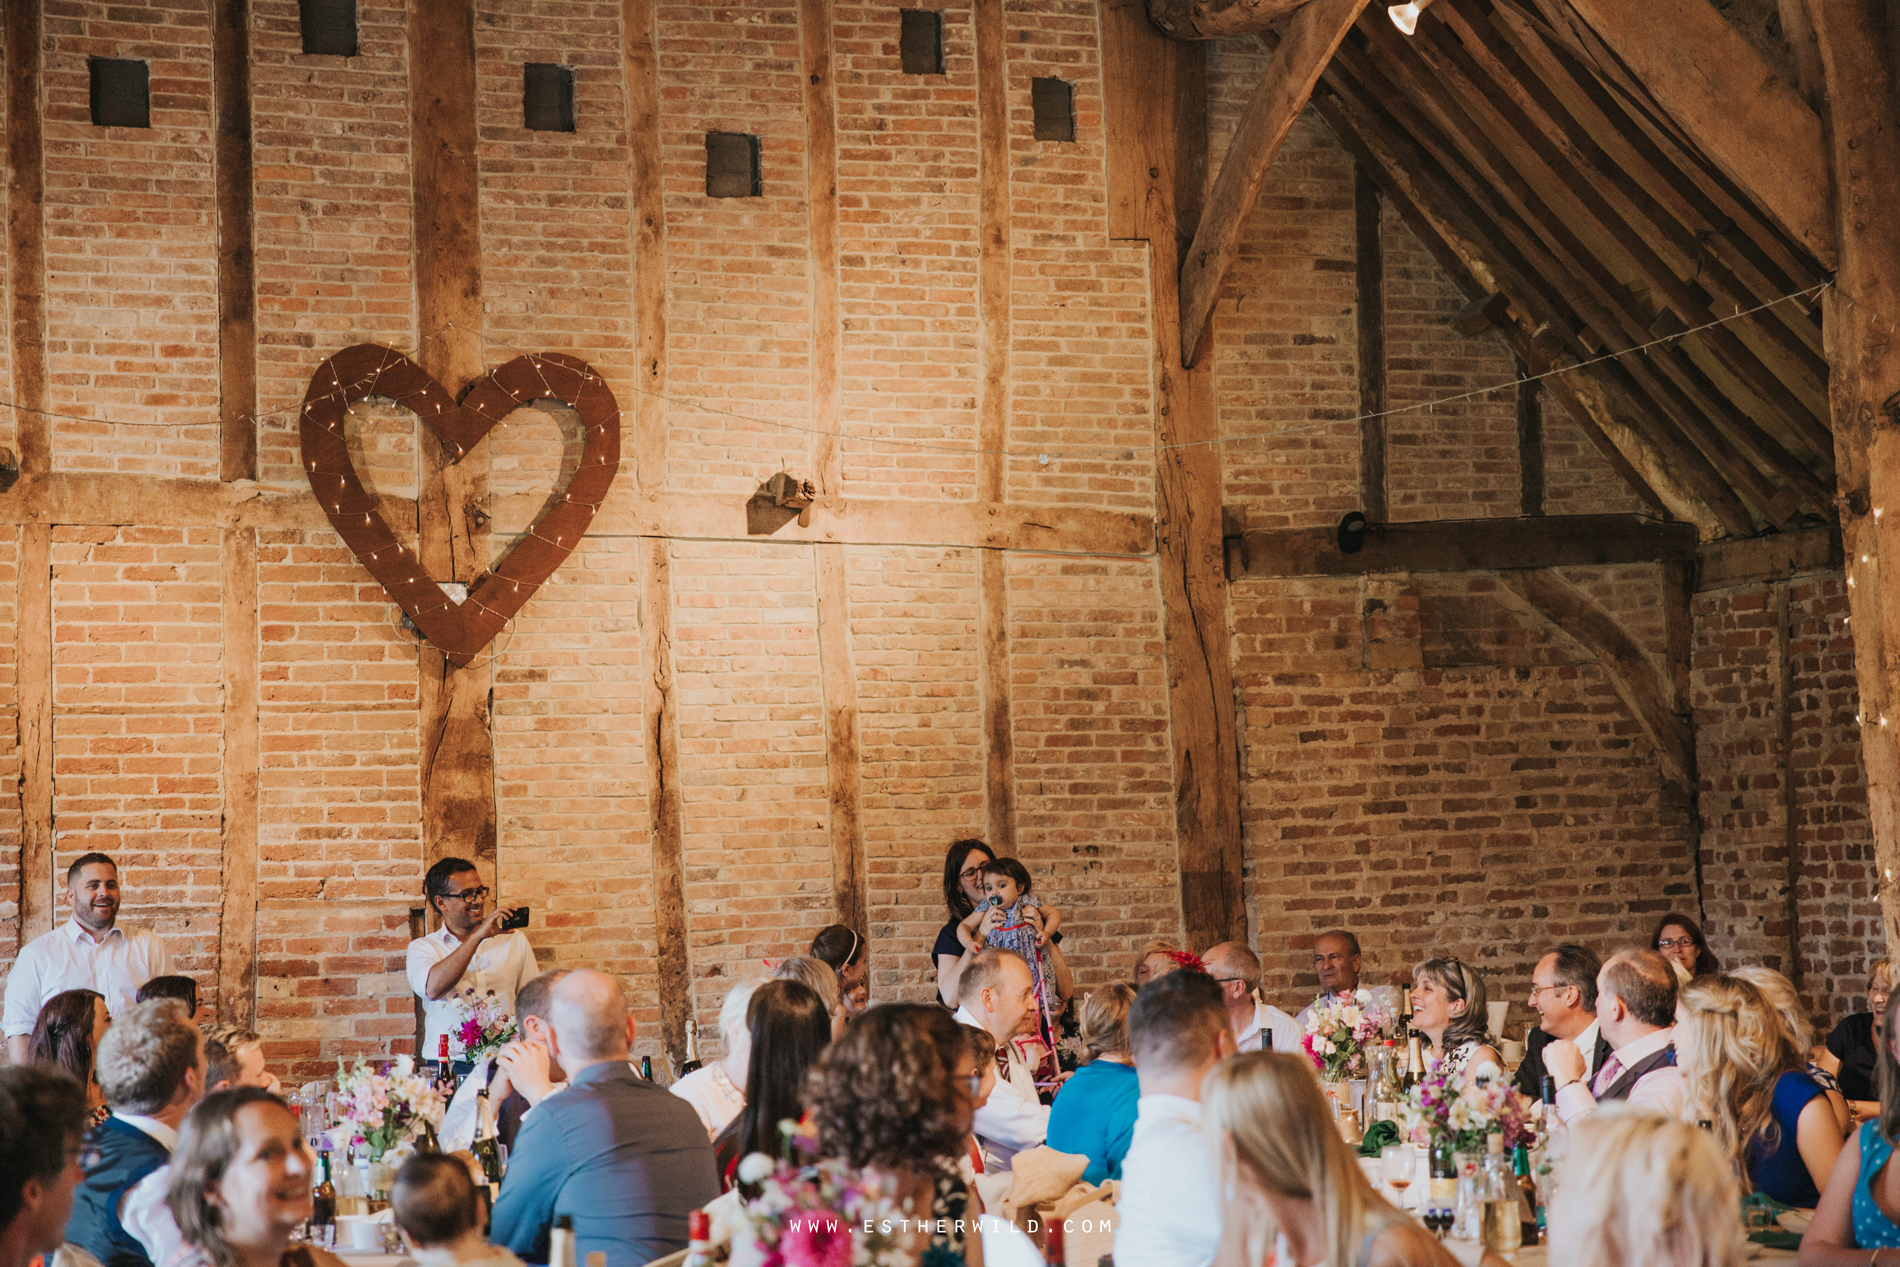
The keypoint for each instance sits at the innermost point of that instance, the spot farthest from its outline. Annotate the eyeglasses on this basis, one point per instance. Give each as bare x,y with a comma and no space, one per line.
1225,980
1539,989
469,895
1680,943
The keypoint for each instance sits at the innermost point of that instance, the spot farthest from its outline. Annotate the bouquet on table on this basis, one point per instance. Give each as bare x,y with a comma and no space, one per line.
387,1107
1340,1030
482,1026
1442,1104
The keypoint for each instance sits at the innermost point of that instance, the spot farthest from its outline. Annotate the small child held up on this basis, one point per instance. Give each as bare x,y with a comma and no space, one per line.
1016,919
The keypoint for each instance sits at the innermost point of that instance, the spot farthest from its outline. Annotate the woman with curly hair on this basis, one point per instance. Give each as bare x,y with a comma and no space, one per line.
1747,1081
1448,1009
895,1100
67,1034
241,1183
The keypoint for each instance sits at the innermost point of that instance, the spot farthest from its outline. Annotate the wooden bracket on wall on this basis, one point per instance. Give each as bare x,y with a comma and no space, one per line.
1470,545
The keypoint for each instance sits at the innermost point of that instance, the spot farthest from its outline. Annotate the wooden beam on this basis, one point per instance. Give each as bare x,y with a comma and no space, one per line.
458,766
237,923
1307,45
1530,446
26,234
1469,545
993,216
839,685
33,654
993,687
1728,100
1164,172
647,199
1218,19
1369,303
1753,560
821,218
660,712
1188,496
237,260
1784,773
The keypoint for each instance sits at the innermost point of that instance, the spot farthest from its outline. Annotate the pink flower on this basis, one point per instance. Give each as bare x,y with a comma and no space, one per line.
815,1238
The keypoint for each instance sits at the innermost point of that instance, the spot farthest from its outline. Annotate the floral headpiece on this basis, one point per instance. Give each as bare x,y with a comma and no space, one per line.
1187,959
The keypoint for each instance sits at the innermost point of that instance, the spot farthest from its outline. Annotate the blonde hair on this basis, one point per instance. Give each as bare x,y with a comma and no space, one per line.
1781,996
1265,1110
732,1012
1877,969
1732,1048
1155,948
1639,1190
1460,984
1105,1020
815,974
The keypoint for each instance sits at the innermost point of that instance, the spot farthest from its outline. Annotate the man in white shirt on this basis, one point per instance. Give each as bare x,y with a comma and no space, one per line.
1257,1026
87,952
1169,1213
1336,961
469,952
1564,996
1636,1007
998,994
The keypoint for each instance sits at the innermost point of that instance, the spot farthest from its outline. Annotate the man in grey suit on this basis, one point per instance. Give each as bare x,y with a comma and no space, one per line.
618,1154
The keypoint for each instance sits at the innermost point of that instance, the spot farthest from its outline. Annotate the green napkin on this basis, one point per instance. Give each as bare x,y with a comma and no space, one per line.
1772,1237
1377,1137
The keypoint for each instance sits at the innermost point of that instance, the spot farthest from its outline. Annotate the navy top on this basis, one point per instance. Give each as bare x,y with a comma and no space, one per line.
1094,1116
1782,1174
1852,1043
627,1160
948,943
1872,1228
126,1155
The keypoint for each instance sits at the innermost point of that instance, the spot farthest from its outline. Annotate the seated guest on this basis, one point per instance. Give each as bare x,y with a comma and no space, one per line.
717,1090
67,1034
1094,1117
1170,1208
1852,1048
844,951
152,1070
1636,1010
1336,960
42,1124
1257,1026
1859,1214
1157,959
469,952
624,1159
1641,1190
1448,1009
241,1184
1679,939
433,1204
183,989
788,1029
815,975
518,1077
998,994
1781,996
983,1052
1747,1081
1278,1145
891,1101
1564,996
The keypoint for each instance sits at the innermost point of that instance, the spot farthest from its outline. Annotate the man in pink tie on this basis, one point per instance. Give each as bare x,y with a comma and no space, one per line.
1636,1011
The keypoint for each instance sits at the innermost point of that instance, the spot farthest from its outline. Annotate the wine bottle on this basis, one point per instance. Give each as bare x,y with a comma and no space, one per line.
699,1246
561,1242
323,1205
692,1050
1054,1250
1442,1196
646,1071
486,1148
1414,1062
1528,1212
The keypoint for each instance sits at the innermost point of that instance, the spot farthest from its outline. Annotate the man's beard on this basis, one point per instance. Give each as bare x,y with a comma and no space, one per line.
92,920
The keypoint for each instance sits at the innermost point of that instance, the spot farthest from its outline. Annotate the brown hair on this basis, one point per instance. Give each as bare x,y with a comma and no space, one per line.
1176,1021
207,1144
1887,1073
433,1199
883,1095
222,1045
63,1033
1705,960
1643,980
1460,982
953,895
1105,1020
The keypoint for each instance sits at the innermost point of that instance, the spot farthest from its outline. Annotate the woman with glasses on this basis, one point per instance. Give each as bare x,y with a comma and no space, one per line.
789,1026
1448,1009
962,890
1853,1048
1679,939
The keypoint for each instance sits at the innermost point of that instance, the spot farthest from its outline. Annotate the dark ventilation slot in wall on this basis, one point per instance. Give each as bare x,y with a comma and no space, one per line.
732,165
920,42
547,97
328,26
121,93
1054,103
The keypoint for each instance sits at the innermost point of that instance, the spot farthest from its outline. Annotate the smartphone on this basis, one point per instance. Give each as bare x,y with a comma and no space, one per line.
517,918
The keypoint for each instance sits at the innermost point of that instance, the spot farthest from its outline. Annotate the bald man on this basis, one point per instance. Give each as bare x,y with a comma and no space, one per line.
619,1155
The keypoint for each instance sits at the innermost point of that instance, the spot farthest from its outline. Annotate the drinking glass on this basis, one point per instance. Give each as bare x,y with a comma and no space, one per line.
1400,1164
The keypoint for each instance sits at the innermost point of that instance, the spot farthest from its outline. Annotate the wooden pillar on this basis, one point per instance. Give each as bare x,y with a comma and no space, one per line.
237,263
993,262
237,925
821,209
993,685
458,763
26,337
839,683
1369,296
1862,314
1530,444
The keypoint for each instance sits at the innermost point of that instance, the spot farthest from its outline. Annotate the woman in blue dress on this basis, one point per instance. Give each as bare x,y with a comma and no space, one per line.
1094,1113
1858,1220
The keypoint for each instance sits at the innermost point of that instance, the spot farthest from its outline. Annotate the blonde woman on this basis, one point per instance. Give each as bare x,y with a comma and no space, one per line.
1747,1081
1094,1117
817,976
1448,1008
1276,1146
1156,959
1640,1190
1780,993
1852,1052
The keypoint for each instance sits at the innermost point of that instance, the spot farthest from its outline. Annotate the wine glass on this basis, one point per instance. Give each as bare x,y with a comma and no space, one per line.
1399,1163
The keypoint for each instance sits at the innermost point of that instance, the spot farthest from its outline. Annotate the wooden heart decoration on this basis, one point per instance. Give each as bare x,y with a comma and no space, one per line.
459,631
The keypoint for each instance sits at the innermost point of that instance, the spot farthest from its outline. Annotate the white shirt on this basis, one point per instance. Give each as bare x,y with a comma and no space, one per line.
69,959
1270,1020
1169,1211
712,1096
146,1216
1014,1119
504,963
458,1119
1663,1091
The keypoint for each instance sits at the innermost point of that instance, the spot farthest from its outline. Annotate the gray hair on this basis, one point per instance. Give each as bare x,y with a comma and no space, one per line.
815,974
144,1057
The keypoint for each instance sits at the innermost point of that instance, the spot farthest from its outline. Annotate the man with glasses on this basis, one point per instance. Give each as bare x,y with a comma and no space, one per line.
1257,1026
469,952
1564,996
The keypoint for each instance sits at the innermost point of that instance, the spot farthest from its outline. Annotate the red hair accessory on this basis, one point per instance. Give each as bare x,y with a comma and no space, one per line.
1187,959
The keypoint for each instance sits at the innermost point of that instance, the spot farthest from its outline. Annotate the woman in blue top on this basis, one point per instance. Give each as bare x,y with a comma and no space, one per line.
1747,1081
1858,1220
1094,1113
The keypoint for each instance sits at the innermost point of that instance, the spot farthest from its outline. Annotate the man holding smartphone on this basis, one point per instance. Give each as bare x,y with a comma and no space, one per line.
473,950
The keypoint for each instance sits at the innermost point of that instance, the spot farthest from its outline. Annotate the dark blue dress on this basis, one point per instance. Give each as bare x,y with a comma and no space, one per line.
1782,1174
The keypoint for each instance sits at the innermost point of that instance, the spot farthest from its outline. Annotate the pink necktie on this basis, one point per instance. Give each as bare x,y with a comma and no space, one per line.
1606,1076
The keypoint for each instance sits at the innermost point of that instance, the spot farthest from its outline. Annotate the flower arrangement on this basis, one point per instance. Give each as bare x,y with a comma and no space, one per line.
1339,1031
1442,1104
485,1026
388,1107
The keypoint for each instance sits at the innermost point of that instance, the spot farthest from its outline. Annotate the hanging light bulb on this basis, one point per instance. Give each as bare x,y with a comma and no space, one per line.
1405,16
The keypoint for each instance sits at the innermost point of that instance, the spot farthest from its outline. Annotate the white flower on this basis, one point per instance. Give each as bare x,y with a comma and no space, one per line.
405,1065
754,1168
1486,1072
